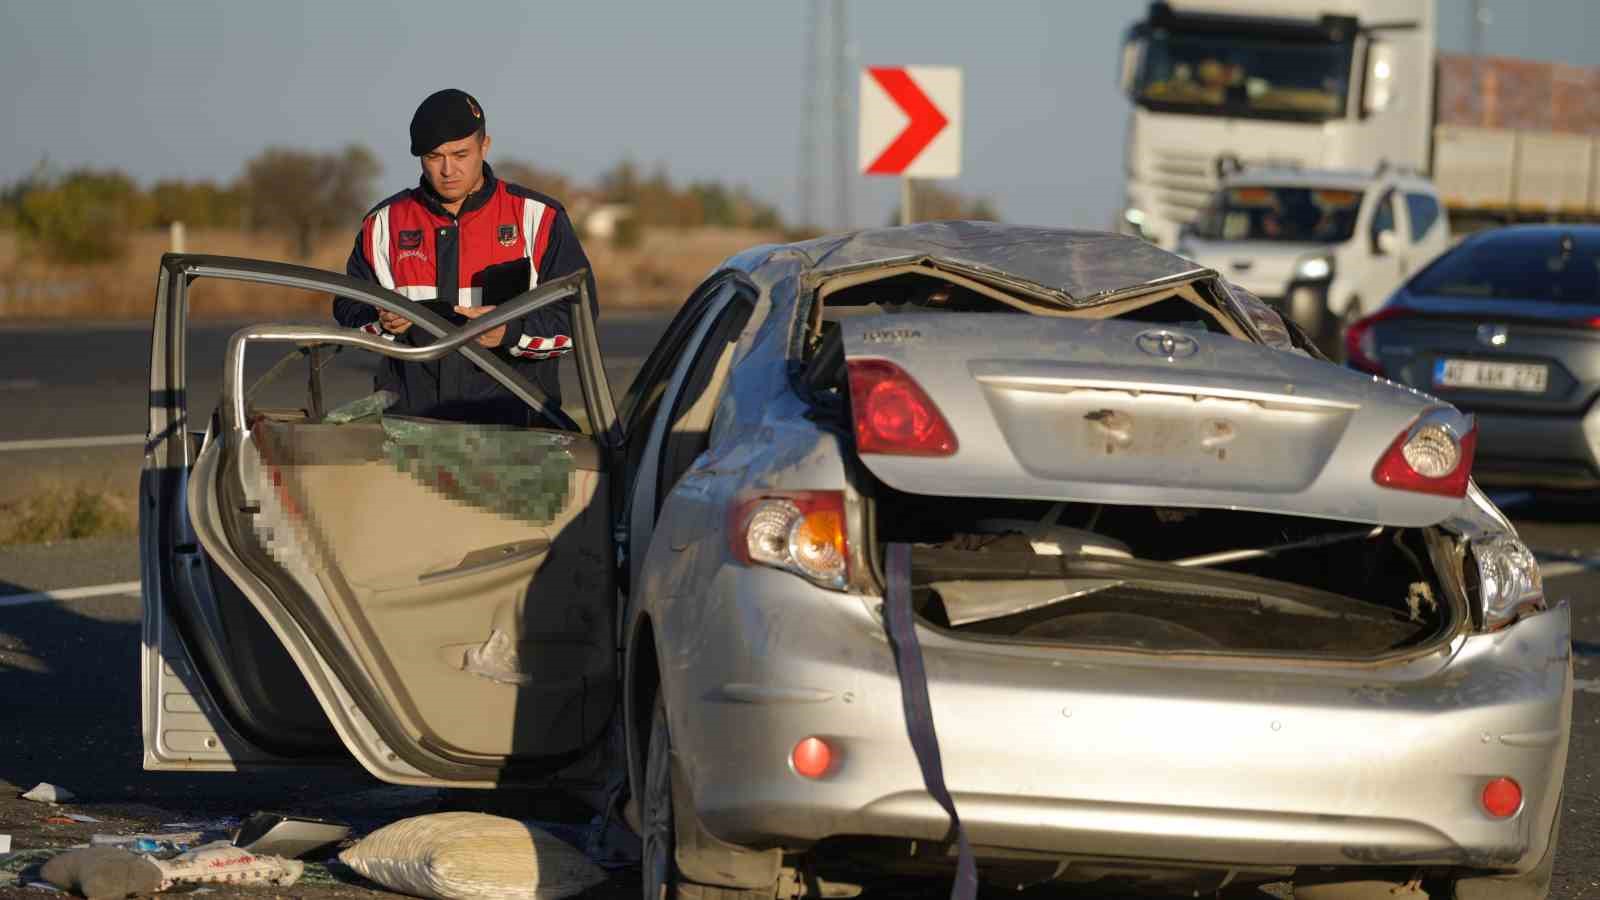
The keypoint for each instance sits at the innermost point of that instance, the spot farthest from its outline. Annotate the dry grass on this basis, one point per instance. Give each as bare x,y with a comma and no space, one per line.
61,509
659,273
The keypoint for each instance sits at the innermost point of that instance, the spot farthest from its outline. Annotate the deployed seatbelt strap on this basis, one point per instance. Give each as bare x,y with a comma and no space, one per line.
900,624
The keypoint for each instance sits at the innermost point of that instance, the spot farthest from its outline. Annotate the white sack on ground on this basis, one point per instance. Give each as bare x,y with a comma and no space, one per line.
45,792
221,862
472,856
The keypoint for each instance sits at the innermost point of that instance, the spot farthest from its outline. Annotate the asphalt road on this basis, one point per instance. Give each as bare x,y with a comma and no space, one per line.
68,674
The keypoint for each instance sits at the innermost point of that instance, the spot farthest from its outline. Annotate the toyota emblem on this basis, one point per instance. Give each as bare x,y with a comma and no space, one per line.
1167,344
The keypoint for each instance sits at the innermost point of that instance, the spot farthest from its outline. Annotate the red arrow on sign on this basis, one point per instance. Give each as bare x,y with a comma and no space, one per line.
926,121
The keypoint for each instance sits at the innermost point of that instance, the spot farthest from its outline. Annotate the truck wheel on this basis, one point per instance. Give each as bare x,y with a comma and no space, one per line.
661,878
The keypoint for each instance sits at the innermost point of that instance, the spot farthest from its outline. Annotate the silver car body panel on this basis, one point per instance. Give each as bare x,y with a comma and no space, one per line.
1092,411
1075,268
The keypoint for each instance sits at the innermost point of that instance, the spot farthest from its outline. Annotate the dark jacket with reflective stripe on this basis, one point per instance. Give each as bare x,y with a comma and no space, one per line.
504,240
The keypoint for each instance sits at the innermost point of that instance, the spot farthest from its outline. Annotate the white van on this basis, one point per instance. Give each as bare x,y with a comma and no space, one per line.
1325,247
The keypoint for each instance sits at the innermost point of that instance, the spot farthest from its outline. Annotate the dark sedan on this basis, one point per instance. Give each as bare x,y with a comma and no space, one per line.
1507,326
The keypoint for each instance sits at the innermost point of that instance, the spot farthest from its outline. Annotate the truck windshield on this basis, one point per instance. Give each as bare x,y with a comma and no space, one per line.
1230,75
1303,214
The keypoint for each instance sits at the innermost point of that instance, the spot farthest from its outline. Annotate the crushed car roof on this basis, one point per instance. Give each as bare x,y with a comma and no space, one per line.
1077,268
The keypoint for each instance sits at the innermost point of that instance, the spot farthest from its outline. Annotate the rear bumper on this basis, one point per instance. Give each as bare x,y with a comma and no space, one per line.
1135,758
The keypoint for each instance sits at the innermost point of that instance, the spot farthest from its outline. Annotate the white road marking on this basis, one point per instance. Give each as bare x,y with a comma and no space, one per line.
77,593
20,384
1568,567
106,440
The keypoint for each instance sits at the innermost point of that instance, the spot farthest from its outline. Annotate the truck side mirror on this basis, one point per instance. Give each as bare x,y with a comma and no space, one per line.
1132,55
1387,242
1378,87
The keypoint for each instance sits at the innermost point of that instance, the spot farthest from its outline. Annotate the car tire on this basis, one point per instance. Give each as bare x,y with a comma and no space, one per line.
1531,885
1309,307
658,856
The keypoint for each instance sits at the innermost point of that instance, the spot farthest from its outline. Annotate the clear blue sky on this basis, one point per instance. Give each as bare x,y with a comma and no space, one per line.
709,88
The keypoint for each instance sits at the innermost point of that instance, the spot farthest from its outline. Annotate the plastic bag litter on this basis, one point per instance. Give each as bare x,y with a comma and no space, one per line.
44,792
222,862
472,856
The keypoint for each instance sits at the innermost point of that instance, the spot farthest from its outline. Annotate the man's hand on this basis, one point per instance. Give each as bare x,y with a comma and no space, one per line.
394,323
490,339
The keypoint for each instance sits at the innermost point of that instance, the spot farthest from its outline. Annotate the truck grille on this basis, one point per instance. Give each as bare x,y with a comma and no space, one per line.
1184,182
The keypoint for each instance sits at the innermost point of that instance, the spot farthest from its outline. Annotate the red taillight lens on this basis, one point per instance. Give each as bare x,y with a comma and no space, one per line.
798,531
893,414
1502,797
1430,457
1361,345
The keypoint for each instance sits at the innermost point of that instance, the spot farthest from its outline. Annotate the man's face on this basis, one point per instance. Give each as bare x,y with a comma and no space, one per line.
453,168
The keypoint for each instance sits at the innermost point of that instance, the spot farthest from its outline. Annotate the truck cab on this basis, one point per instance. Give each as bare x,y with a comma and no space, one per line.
1323,247
1216,84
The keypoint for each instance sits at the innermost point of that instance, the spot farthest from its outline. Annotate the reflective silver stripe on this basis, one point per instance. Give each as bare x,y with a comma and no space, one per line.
380,248
532,213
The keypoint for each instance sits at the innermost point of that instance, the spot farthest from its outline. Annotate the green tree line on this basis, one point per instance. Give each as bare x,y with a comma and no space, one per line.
85,215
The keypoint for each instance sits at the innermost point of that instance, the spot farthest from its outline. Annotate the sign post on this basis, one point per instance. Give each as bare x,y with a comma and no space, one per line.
910,126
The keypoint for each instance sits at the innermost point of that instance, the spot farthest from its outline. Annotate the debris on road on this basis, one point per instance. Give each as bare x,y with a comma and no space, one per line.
102,872
222,862
288,836
472,856
186,839
45,792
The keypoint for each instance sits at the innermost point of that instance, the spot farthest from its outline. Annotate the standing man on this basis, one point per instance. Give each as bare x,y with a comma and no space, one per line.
464,241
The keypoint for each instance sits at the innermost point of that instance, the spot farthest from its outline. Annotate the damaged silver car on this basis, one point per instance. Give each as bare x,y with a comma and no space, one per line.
1189,607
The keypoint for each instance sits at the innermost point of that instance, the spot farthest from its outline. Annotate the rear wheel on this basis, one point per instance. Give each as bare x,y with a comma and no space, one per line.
659,853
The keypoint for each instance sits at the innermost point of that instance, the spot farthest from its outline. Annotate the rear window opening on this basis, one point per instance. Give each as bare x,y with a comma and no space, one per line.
1165,579
921,288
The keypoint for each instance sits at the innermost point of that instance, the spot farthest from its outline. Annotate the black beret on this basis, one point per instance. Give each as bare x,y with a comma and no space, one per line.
447,115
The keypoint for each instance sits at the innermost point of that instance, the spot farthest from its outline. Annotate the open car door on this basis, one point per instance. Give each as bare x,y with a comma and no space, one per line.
435,597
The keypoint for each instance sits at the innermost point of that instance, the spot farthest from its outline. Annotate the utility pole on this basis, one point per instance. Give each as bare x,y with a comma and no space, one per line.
841,118
809,113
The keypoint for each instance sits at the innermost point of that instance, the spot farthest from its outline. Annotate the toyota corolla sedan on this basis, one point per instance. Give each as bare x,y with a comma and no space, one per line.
1506,325
1025,555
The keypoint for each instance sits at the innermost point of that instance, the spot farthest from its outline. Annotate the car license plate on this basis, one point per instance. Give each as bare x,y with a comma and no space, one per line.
1528,378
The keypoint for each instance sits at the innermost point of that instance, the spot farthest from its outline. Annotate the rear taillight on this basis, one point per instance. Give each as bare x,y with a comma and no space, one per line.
1433,456
797,531
1361,345
893,414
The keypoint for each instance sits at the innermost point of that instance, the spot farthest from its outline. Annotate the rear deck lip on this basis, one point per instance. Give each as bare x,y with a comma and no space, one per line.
1067,383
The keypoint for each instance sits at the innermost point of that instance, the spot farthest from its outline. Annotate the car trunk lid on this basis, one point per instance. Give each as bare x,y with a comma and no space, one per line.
1123,412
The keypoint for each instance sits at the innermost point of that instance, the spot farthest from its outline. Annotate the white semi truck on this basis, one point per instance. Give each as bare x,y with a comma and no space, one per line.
1218,85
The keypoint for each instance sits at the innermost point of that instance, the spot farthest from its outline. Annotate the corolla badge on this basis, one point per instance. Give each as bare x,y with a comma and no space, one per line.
1168,344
